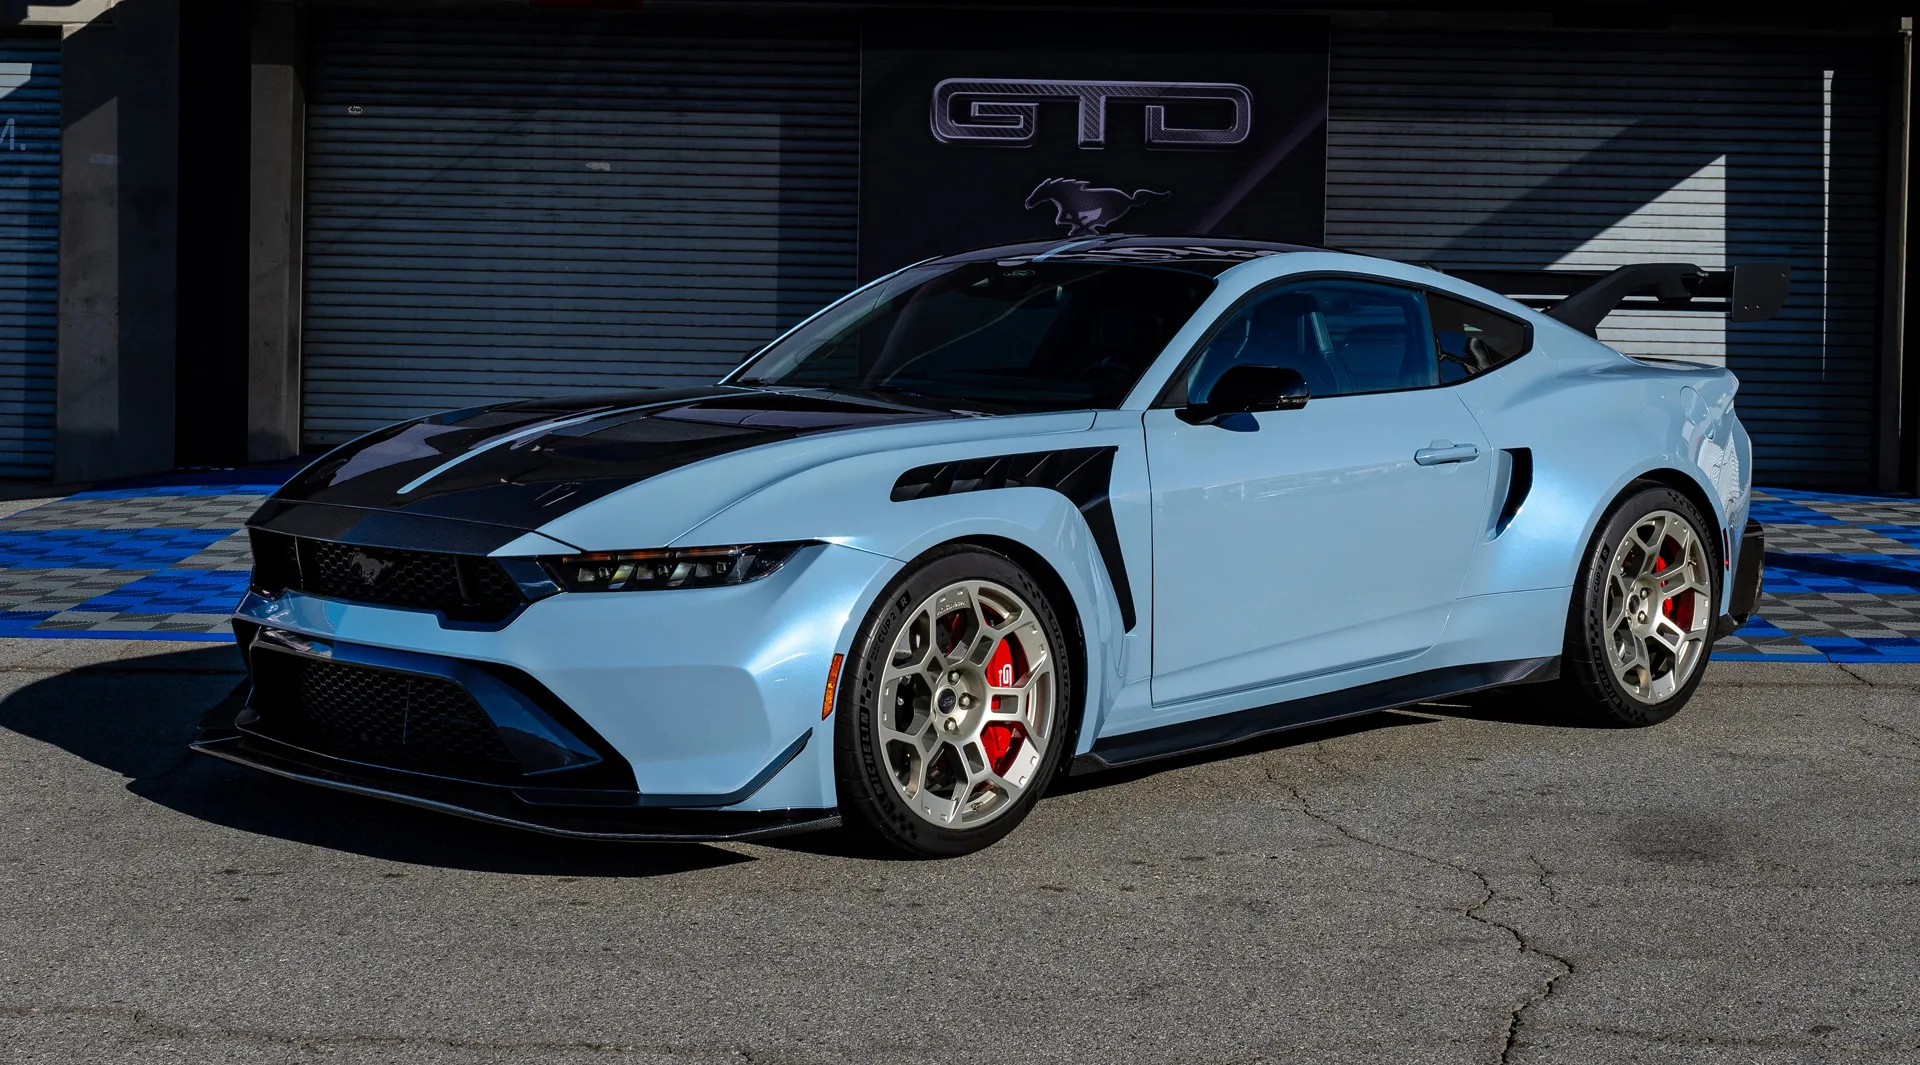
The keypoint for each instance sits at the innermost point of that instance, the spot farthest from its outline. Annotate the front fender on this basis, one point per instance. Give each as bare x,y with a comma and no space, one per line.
1046,524
849,502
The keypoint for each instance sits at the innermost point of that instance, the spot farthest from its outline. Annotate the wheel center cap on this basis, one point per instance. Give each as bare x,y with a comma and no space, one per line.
946,701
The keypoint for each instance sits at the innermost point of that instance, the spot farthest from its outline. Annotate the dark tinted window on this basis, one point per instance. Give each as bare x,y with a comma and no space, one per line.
1344,337
1028,337
1472,340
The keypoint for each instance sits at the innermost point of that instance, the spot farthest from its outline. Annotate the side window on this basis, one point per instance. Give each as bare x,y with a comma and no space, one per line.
1472,340
1344,337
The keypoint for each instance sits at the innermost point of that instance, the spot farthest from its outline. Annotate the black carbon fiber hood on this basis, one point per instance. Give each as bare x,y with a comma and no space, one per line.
520,465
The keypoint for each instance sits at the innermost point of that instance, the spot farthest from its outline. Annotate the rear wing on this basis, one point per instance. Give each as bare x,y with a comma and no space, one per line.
1749,292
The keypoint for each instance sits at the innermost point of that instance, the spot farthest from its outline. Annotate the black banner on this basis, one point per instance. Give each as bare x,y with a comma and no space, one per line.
989,128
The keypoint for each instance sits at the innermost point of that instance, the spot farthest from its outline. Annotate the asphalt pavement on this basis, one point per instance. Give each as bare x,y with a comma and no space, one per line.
1470,883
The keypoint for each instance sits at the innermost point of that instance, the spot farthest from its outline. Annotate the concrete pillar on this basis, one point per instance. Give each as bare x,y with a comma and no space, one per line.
275,228
119,176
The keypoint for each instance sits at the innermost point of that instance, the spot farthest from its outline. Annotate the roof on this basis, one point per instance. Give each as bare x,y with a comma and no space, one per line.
1200,254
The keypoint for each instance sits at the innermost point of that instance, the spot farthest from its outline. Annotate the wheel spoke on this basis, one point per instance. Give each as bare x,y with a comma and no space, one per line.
905,656
1679,579
1657,538
936,809
1616,608
1026,761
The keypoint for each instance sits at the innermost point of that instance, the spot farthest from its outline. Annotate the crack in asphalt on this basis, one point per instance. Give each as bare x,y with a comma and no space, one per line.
1910,737
1867,680
146,1025
1516,1016
1544,875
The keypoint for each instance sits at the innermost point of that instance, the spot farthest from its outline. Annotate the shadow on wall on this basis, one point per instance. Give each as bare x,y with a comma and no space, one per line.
1644,148
136,718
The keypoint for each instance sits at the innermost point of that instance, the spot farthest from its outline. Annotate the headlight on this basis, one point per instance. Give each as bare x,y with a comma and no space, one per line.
689,567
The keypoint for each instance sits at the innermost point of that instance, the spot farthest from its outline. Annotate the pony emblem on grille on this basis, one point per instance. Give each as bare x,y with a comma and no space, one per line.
368,568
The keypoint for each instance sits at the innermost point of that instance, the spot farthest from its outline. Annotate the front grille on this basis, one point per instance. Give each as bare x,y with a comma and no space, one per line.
463,587
381,717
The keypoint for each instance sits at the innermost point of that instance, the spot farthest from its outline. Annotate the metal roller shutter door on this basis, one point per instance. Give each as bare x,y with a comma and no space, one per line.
29,251
1532,151
502,208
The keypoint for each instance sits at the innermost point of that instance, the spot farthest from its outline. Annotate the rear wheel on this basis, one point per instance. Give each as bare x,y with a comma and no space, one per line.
956,706
1640,631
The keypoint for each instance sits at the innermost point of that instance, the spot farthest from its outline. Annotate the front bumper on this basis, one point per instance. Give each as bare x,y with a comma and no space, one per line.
705,699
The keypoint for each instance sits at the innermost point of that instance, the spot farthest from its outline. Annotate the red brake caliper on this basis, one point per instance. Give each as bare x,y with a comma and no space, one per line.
1682,614
1006,669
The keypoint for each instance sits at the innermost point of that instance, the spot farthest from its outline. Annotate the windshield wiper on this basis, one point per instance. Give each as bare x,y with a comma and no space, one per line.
944,402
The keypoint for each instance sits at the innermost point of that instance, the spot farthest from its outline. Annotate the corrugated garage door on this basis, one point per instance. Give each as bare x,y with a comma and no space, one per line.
1529,151
29,251
532,206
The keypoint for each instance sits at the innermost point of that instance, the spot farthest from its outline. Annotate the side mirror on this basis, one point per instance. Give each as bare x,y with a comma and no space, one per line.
1246,389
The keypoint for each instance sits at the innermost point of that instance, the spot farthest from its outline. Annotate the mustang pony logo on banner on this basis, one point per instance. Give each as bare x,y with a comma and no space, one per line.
1087,212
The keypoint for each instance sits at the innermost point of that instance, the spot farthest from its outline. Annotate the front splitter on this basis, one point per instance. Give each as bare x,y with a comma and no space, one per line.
499,807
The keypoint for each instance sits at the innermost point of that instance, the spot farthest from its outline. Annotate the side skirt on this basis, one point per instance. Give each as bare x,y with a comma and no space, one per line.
1146,745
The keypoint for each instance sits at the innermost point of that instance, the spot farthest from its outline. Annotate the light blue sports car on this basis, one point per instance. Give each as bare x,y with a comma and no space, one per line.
1000,516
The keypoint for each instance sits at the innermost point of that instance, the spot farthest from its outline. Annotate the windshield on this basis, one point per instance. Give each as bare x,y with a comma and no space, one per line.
1034,336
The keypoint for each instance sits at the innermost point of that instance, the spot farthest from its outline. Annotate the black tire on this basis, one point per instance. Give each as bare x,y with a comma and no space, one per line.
1587,679
870,806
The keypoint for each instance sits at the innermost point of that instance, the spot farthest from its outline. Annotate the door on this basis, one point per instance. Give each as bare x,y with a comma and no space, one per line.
1288,544
506,205
29,250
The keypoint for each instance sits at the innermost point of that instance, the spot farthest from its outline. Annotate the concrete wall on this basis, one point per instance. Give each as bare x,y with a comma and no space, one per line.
120,171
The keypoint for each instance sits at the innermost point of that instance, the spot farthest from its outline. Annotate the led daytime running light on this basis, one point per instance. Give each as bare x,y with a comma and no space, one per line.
689,567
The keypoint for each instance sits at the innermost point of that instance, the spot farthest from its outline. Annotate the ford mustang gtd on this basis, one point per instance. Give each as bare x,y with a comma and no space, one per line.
1036,509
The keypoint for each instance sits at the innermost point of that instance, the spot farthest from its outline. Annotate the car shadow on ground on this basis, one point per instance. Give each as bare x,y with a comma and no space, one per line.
1539,705
1302,736
840,845
136,719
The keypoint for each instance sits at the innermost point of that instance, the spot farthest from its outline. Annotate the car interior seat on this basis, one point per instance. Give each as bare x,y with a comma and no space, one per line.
1285,330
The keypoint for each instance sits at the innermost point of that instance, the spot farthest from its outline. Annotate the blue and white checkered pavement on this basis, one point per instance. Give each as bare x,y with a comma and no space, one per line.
167,559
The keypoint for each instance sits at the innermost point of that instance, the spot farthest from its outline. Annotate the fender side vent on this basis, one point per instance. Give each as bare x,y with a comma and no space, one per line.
1083,475
1519,483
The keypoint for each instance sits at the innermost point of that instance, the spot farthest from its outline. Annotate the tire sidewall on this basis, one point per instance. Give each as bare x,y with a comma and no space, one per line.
868,799
1587,638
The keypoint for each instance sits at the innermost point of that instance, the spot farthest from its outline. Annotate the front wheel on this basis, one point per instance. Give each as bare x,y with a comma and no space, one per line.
1640,630
955,707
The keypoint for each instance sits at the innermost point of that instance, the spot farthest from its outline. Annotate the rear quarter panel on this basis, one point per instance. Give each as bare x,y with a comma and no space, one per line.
1595,421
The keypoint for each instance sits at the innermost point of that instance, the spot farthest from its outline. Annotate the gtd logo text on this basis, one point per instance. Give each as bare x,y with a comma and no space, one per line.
1006,113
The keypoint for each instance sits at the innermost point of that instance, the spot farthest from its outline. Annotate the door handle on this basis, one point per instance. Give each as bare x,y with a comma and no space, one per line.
1442,451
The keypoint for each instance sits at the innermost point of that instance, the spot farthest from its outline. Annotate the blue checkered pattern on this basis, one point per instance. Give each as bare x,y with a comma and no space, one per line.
146,561
169,561
173,591
141,549
1842,580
